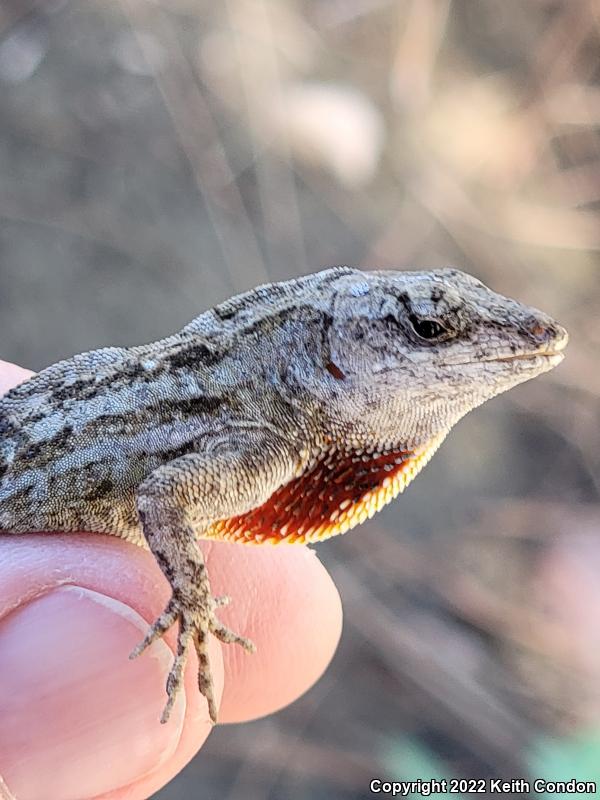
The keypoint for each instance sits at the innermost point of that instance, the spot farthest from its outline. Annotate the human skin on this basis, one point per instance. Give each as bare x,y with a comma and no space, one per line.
78,719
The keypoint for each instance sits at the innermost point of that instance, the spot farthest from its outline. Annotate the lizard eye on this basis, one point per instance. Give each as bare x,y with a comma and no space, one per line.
429,329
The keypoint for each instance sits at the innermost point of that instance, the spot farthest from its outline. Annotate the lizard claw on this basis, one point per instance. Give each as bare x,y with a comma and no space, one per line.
195,623
158,629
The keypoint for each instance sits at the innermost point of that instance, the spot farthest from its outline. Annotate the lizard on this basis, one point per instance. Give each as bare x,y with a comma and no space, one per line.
287,414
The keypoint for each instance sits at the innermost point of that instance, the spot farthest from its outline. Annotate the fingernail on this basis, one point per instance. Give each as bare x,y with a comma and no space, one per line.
78,718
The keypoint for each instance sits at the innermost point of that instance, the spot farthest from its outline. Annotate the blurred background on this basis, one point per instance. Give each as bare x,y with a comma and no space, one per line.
157,157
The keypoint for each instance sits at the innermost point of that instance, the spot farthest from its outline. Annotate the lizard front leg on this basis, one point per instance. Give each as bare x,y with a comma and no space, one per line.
176,503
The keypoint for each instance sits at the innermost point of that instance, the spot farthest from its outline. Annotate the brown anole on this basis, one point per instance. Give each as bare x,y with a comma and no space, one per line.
287,414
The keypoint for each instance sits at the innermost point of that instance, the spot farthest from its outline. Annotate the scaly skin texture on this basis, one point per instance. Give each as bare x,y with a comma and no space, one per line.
286,414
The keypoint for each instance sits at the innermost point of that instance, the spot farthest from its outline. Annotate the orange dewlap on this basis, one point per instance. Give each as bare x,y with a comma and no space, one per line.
340,491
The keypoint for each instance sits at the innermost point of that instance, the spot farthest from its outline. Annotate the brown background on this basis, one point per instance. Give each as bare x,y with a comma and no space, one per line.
156,157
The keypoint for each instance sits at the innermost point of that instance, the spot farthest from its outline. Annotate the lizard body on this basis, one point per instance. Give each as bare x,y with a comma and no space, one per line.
287,414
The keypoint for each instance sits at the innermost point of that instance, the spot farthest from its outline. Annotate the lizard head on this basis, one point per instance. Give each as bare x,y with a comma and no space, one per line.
402,356
411,352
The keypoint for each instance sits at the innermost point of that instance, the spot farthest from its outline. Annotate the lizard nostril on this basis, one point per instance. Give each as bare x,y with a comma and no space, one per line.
539,332
548,333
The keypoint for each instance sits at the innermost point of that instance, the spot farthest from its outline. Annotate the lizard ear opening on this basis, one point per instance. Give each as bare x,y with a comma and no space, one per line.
334,370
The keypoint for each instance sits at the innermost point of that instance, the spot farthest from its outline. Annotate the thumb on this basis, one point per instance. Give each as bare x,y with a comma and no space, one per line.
79,719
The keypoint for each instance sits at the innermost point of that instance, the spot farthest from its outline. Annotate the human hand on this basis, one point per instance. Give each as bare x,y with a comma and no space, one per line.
78,719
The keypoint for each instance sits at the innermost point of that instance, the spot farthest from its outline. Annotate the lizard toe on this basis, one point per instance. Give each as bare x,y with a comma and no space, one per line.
157,629
227,636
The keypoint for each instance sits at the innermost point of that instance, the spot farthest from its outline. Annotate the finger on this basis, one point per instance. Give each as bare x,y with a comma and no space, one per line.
79,719
284,600
11,375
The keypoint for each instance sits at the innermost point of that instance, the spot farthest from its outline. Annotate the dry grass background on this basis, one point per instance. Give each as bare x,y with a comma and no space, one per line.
158,156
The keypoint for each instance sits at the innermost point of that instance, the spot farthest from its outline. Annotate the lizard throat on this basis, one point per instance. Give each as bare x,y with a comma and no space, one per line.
339,492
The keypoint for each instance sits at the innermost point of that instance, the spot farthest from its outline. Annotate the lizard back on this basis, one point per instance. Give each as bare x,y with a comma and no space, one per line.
78,438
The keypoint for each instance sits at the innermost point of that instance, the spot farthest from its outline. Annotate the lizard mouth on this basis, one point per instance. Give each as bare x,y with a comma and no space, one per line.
552,353
553,350
554,357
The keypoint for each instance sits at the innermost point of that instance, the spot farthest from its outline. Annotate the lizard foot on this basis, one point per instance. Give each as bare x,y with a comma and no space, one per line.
196,620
